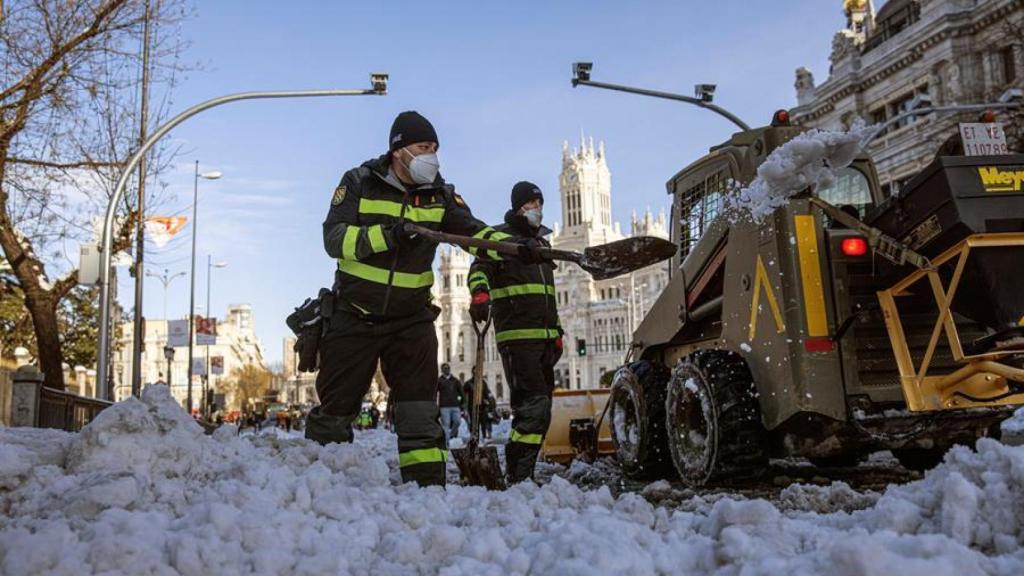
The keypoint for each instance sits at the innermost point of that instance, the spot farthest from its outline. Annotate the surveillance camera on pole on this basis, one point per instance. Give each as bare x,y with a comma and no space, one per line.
581,72
379,81
706,92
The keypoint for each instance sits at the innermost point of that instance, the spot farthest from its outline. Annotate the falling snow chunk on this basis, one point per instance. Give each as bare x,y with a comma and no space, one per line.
745,347
142,491
810,159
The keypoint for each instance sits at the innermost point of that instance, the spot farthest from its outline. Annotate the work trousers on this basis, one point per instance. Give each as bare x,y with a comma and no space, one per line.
407,352
530,372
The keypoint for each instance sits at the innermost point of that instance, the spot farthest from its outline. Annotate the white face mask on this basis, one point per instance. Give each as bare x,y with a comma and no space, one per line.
423,168
534,216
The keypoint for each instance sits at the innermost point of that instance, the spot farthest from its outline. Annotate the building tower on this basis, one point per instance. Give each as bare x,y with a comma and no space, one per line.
585,186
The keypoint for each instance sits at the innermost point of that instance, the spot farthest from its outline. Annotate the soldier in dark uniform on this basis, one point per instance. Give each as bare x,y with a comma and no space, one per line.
382,295
526,327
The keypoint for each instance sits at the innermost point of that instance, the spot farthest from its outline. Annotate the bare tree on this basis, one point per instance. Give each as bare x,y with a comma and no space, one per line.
69,76
249,382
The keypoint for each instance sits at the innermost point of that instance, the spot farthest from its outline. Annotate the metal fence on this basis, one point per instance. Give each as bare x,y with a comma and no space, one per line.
67,411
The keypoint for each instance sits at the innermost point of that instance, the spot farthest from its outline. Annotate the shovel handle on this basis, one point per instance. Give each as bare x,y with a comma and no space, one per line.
509,248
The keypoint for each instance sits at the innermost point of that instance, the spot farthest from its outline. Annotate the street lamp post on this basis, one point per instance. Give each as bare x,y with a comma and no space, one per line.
210,265
378,88
169,355
192,292
921,105
165,279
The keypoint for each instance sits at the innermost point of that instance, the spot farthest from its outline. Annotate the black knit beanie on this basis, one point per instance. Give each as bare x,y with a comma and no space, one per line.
523,192
411,128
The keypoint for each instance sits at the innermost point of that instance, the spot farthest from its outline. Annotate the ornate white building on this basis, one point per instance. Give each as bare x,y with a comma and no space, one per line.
237,343
597,316
951,51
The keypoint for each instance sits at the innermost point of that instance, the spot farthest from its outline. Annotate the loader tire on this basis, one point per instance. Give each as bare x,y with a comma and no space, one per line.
637,420
920,459
713,419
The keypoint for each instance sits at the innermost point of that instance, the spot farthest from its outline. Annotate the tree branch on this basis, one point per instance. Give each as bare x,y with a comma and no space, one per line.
63,165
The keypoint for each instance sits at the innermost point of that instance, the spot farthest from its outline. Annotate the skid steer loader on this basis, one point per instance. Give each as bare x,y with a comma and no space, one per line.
844,323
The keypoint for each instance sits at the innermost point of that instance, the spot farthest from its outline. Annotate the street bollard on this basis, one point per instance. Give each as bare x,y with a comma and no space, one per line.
25,392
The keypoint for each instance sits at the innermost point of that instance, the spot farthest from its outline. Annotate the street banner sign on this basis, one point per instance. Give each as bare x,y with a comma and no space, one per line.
983,138
216,365
161,229
198,366
177,333
206,331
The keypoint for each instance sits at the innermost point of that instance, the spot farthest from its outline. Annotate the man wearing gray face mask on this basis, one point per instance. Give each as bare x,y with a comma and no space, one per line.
382,310
526,327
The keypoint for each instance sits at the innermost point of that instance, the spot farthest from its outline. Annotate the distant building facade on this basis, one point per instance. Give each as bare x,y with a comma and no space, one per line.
952,52
597,316
237,344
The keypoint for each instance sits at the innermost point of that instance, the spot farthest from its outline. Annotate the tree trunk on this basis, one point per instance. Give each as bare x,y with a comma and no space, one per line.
51,355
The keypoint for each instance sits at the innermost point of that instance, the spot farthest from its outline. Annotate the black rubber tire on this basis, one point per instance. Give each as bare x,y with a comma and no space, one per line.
637,420
713,420
920,459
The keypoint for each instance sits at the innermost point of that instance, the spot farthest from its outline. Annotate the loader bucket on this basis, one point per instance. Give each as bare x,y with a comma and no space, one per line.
574,417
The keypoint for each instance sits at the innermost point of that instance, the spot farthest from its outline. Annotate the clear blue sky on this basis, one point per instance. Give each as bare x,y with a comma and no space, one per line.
493,77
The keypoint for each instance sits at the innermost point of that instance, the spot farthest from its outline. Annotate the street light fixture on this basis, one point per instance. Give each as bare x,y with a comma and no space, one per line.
379,88
165,279
212,175
921,105
705,92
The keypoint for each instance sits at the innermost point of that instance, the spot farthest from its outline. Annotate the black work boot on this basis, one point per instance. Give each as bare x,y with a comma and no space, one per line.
324,428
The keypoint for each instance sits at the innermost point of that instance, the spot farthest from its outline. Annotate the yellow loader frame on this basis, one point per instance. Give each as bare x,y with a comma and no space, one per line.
981,375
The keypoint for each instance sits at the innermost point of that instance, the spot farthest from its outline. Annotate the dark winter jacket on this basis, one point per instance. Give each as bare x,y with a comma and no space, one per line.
449,392
522,295
376,279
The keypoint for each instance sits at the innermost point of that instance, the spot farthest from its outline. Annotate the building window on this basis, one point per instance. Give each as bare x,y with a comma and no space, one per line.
1009,64
462,348
499,386
902,105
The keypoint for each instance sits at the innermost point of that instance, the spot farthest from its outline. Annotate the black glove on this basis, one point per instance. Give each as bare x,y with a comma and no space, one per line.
480,307
402,233
530,252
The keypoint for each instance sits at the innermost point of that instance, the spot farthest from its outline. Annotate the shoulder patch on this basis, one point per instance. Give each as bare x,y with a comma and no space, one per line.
339,195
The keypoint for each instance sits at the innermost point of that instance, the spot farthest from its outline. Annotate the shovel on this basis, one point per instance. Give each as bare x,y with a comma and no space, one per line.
478,465
602,262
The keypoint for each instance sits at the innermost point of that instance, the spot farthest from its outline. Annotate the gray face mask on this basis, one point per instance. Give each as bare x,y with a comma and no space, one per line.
534,217
423,169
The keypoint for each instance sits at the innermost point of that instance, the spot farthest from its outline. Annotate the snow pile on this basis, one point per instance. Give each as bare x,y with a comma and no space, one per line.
1013,429
141,492
811,159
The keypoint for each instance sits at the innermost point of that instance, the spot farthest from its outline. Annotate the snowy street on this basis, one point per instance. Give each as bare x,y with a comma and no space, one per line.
142,491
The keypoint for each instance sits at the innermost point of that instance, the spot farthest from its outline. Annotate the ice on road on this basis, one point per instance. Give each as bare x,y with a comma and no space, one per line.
142,490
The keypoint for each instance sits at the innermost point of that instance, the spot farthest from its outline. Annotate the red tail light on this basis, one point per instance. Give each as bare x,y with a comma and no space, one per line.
854,246
780,118
987,117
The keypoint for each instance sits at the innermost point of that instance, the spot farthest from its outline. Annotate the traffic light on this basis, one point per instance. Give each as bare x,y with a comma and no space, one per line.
581,346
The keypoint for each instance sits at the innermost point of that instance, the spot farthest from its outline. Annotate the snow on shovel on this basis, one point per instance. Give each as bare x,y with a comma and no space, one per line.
478,465
602,262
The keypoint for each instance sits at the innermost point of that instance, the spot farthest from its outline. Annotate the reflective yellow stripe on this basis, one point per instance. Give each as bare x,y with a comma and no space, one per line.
526,438
390,208
348,243
478,279
421,456
380,275
522,290
488,233
526,334
810,275
376,234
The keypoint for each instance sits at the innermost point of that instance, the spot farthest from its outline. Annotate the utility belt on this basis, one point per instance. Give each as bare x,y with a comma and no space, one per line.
314,318
310,321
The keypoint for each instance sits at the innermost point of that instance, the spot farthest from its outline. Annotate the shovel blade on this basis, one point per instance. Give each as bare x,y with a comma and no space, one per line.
624,256
479,466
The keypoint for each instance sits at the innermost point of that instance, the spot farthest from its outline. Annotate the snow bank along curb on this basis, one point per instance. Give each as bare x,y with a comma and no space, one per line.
142,491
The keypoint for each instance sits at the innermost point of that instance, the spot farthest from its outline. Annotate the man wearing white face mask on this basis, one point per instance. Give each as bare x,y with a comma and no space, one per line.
526,327
382,310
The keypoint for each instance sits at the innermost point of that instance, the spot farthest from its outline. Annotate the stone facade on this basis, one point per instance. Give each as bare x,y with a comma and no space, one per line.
952,51
601,314
236,342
